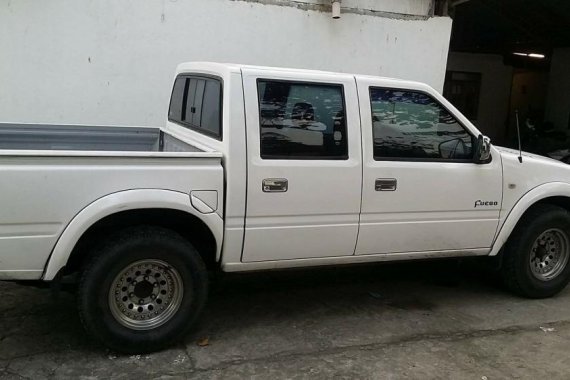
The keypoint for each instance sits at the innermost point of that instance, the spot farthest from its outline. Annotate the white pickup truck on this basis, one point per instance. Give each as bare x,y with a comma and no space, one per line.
261,168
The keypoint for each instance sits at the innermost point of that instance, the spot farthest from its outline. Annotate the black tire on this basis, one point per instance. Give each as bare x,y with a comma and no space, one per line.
516,269
108,263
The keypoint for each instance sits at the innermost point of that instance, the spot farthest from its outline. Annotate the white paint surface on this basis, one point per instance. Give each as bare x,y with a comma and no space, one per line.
432,205
322,203
118,182
112,62
406,7
496,79
410,7
558,105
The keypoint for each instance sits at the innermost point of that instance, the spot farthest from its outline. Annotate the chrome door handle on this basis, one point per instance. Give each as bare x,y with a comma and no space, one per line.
275,185
386,184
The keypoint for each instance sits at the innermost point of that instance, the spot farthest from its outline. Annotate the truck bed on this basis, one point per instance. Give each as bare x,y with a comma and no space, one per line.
89,138
52,173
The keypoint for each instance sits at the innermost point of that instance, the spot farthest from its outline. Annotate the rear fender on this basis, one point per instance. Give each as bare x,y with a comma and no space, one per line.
123,201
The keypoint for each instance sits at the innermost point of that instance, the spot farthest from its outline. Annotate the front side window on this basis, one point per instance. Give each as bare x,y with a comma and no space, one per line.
412,125
302,120
196,103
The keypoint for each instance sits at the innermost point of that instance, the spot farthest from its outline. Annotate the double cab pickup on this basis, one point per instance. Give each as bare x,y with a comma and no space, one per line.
261,168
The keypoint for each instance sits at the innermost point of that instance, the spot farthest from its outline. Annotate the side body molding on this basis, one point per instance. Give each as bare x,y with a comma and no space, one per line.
123,201
551,189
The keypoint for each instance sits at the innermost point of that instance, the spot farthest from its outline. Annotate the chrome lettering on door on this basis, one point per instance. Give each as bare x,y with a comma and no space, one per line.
479,203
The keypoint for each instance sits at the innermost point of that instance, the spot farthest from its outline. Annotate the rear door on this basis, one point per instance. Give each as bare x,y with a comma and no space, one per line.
304,165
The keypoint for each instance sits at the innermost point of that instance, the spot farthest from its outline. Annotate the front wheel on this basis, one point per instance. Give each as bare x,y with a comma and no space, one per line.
537,254
142,290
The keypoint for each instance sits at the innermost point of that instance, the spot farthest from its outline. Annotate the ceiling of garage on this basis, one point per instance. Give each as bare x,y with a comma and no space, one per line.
506,26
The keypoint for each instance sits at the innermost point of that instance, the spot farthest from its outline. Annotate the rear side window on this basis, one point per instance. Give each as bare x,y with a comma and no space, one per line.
301,120
196,103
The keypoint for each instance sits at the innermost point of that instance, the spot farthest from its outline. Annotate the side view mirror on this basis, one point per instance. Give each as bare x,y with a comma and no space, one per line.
483,150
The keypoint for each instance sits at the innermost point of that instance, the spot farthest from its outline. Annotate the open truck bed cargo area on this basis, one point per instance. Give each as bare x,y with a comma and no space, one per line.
54,176
89,138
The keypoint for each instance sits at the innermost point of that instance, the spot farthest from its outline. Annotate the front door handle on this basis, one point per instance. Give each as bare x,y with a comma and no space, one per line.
275,185
386,184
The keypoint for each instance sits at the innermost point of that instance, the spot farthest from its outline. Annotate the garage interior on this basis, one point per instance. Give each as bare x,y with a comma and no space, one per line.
509,55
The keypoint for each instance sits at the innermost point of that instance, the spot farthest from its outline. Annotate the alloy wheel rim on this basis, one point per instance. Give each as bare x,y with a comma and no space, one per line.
145,294
549,254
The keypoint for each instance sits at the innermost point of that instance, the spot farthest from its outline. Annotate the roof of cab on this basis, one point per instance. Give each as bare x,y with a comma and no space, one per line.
216,67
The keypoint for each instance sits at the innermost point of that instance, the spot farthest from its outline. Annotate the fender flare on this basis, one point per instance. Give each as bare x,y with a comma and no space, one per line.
547,190
123,201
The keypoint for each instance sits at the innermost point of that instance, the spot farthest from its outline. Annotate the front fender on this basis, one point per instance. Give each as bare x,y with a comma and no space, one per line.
123,201
547,190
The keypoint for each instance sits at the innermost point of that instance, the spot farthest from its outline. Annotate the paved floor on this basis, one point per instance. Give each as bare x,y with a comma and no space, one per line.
390,321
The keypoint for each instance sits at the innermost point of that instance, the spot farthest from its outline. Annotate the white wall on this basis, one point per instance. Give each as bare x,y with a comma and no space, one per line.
496,79
407,7
558,104
112,61
411,7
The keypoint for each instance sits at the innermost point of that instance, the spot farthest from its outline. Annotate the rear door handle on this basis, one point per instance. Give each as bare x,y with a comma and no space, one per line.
386,184
275,185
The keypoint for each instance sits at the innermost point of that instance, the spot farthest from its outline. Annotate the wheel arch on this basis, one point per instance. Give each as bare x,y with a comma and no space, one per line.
140,205
555,193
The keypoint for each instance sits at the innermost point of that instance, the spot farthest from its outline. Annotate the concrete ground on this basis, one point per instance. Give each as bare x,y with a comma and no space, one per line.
384,322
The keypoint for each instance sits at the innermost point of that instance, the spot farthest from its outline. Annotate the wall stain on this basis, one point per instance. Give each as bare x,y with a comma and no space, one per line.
328,8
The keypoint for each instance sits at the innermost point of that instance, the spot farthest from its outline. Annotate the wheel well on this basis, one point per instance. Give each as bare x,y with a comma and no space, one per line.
560,201
185,224
563,202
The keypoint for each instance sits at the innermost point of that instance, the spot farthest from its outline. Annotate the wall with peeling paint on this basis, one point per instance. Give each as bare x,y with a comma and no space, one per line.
112,61
404,7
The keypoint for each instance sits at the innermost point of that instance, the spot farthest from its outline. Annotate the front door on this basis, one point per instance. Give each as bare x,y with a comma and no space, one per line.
304,165
421,189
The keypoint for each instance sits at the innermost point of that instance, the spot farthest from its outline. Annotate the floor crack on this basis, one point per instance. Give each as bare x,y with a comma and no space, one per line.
450,336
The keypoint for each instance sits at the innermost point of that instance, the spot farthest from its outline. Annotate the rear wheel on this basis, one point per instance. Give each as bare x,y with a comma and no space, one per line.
143,289
538,252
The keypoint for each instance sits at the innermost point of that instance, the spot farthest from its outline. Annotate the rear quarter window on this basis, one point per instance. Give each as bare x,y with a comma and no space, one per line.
196,103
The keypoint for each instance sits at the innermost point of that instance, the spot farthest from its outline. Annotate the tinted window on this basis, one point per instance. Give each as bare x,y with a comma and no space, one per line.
408,124
211,107
302,120
196,103
177,99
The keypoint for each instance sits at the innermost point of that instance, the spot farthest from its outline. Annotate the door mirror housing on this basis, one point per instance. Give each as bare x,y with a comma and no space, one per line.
483,150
